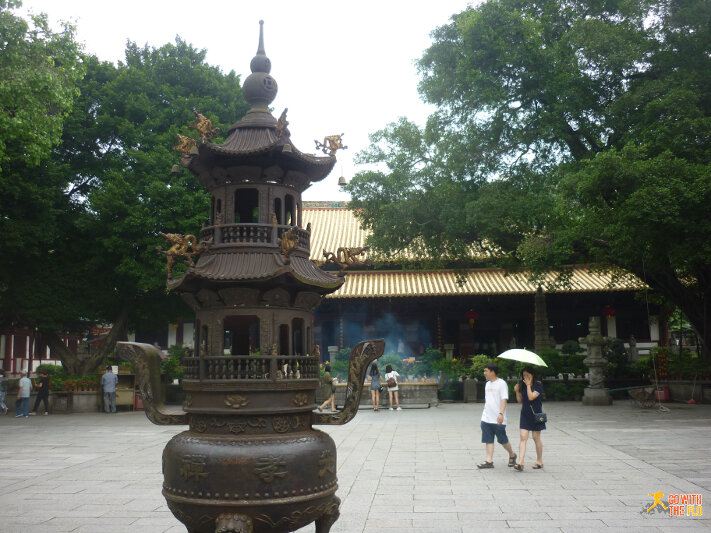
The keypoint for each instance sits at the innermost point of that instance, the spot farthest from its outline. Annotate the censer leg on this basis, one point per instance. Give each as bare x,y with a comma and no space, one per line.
326,520
233,523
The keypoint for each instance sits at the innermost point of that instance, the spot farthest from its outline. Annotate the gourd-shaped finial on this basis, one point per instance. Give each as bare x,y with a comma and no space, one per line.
260,88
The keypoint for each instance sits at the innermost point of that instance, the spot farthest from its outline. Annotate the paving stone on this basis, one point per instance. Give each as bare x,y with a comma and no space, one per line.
415,473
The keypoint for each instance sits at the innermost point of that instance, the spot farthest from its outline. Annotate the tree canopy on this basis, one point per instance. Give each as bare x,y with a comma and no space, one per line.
566,131
39,73
117,146
81,209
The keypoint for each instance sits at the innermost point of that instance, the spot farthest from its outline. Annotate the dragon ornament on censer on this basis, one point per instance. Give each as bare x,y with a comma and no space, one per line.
250,460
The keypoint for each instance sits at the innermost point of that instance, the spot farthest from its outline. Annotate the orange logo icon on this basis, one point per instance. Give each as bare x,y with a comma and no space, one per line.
657,500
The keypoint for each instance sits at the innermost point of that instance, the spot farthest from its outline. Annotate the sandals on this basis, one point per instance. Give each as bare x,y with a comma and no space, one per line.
512,460
537,466
485,464
518,467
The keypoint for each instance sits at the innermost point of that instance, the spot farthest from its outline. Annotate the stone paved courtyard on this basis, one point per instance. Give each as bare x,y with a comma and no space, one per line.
412,470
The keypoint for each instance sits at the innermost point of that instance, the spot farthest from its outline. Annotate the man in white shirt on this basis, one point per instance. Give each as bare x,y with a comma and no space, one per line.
24,387
493,419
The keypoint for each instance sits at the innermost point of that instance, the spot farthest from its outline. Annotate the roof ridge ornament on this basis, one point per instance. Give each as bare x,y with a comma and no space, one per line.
331,144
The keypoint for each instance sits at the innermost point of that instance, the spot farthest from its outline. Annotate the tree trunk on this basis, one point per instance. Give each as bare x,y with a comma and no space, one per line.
118,333
81,366
60,351
542,337
691,299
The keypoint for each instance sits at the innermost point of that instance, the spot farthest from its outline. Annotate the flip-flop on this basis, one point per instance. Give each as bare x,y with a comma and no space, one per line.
512,460
518,467
485,464
537,467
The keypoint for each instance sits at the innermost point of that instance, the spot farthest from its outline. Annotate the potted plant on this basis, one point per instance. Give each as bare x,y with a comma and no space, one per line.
451,370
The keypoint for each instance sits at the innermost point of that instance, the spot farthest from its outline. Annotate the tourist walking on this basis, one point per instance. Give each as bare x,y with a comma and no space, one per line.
108,382
493,419
393,388
3,392
42,392
327,381
22,408
529,396
375,386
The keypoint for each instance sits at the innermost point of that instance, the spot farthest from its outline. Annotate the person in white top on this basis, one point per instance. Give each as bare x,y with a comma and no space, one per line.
493,419
391,374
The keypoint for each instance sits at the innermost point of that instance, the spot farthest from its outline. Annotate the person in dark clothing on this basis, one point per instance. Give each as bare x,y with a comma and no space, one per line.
529,396
375,386
42,393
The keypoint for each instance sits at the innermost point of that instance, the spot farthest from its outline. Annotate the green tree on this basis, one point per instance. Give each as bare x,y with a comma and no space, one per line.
566,131
115,157
39,70
119,148
39,73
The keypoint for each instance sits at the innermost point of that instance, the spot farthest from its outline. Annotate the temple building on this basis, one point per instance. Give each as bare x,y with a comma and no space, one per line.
462,311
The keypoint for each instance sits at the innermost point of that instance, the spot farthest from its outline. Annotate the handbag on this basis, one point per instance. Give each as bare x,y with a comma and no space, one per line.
391,383
540,418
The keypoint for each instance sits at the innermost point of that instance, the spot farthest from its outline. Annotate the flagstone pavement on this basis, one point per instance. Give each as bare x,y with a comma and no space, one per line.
411,470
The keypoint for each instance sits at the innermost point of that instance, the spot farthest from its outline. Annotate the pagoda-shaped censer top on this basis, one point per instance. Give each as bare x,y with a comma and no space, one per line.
255,179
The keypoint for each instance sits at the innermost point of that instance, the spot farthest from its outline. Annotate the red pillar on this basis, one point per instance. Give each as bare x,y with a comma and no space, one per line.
7,356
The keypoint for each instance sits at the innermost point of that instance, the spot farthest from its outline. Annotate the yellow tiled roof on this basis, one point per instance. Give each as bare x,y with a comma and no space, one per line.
334,227
393,284
331,229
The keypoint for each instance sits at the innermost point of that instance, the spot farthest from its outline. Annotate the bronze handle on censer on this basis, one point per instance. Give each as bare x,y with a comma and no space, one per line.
146,364
364,353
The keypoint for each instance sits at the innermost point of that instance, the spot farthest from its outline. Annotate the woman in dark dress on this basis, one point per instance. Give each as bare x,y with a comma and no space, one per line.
529,396
375,386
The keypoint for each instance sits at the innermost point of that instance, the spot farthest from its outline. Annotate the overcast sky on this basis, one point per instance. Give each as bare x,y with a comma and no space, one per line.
341,67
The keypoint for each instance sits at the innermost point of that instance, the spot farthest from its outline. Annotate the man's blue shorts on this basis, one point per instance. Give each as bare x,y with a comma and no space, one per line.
488,431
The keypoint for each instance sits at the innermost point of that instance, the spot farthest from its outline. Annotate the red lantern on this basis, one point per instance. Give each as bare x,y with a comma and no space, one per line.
608,312
471,316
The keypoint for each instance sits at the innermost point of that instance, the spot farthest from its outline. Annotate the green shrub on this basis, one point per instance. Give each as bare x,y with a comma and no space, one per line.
339,366
390,359
339,369
452,370
553,360
57,375
476,368
424,365
616,354
686,365
51,370
570,348
642,367
573,364
172,367
563,391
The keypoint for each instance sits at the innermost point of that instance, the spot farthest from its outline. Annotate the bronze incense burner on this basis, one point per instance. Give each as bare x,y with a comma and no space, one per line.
251,460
